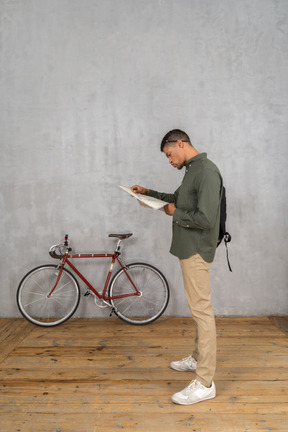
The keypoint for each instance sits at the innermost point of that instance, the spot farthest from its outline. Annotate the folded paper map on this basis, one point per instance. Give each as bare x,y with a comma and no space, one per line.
145,200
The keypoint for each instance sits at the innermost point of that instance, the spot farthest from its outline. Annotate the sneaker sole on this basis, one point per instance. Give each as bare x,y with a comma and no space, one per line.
182,370
192,403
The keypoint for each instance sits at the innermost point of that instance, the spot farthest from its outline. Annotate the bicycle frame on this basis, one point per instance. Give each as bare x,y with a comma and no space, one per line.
114,257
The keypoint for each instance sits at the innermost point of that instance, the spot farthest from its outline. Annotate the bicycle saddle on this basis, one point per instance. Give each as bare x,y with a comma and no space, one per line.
121,236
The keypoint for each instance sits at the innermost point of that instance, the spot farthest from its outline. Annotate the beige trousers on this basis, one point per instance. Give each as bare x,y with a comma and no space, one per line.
197,288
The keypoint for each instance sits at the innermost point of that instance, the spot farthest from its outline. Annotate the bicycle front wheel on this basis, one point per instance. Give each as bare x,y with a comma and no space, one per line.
33,300
152,300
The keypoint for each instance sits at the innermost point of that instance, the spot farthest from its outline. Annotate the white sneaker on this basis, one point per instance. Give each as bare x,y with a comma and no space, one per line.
184,365
195,392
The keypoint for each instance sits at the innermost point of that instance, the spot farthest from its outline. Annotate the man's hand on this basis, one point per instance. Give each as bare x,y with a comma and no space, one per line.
170,209
140,190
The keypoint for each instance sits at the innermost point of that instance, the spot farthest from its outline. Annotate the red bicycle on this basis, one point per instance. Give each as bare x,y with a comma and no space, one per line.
48,295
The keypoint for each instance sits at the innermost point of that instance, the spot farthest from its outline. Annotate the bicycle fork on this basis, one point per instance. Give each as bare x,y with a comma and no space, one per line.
60,270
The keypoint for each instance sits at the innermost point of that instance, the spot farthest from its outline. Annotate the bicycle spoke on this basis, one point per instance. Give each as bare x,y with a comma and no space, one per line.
36,283
129,306
63,286
43,308
35,293
147,300
33,302
121,301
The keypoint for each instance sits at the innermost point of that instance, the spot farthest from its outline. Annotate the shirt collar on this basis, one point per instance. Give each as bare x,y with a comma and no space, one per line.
195,159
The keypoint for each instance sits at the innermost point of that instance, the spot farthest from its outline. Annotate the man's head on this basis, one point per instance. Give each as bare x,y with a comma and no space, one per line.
177,147
171,138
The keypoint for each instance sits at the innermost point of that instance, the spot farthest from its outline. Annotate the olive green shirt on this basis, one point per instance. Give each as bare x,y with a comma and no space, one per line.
197,215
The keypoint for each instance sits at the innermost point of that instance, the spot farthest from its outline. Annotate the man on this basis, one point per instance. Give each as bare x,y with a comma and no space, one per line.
195,210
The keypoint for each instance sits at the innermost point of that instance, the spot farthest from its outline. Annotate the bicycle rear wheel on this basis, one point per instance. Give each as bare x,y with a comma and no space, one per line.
153,298
33,300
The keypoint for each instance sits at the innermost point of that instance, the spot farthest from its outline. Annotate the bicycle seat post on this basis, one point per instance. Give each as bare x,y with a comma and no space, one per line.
117,249
120,238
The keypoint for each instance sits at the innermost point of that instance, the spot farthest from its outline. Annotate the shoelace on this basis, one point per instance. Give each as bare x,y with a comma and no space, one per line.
190,361
192,384
186,358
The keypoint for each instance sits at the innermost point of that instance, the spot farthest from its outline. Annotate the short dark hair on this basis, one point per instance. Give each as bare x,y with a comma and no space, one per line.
173,136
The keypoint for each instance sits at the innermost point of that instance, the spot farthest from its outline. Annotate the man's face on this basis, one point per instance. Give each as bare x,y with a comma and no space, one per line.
175,155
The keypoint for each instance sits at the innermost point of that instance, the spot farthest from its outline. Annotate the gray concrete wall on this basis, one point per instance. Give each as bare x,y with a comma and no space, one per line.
88,89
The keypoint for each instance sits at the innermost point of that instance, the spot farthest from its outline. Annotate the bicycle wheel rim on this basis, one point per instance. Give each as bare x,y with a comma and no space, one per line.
154,294
33,300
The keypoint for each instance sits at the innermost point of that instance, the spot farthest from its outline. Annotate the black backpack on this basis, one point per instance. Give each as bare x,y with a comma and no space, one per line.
223,234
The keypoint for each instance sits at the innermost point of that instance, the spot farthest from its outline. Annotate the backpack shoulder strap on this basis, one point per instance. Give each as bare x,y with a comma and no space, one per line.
227,238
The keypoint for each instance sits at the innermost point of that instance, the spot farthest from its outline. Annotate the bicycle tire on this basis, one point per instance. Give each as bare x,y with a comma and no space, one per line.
144,309
33,302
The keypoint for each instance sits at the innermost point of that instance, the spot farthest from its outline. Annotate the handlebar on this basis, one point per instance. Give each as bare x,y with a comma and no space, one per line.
59,250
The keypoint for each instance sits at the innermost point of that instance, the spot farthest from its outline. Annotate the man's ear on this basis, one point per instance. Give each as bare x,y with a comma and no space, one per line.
180,143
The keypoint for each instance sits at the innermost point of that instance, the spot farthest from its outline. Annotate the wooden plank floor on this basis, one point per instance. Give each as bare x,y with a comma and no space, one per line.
104,375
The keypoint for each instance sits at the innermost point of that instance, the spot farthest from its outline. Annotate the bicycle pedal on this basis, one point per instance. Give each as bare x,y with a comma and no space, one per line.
87,293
